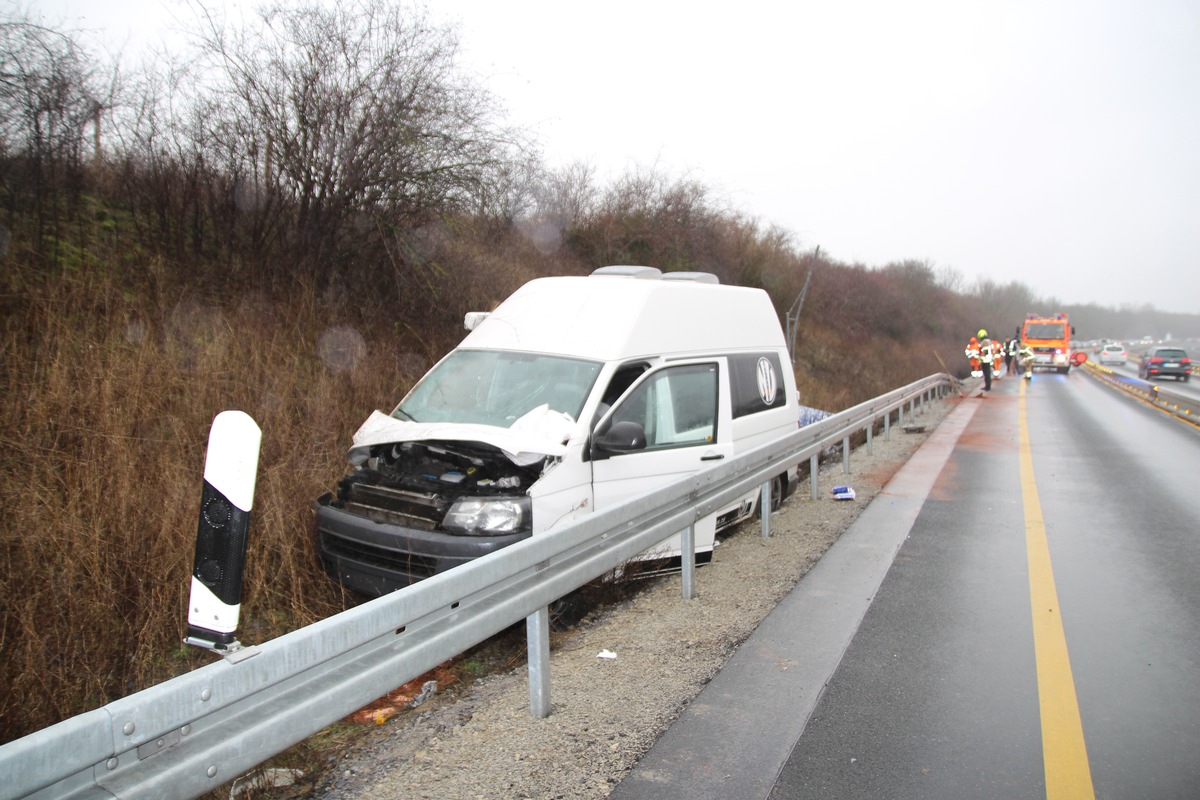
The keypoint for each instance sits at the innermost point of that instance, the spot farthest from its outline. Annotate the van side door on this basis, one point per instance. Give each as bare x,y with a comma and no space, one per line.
682,411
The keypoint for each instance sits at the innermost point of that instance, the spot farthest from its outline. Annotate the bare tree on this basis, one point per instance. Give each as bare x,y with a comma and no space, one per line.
552,203
650,217
48,98
1008,302
570,192
355,113
952,279
509,192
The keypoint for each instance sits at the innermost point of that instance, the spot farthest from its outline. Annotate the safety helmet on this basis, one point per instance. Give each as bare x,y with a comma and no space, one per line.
982,334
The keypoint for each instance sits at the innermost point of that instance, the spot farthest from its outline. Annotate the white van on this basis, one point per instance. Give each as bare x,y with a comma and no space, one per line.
574,394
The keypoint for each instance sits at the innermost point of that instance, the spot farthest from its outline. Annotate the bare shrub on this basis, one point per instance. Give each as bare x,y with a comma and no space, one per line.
354,113
647,217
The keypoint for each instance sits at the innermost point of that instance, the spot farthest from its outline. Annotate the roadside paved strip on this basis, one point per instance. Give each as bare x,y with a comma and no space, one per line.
734,738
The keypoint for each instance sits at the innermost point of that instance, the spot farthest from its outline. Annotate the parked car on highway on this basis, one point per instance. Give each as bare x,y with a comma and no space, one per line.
1112,354
1162,362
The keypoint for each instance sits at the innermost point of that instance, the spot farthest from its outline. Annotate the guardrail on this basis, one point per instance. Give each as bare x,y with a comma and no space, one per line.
1174,403
193,733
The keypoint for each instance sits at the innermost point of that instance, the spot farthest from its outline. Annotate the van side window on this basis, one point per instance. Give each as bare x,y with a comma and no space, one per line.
622,379
756,383
676,407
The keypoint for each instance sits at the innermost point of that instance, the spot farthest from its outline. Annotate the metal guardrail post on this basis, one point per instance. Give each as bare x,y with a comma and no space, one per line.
764,507
814,474
537,635
871,438
687,546
846,455
887,426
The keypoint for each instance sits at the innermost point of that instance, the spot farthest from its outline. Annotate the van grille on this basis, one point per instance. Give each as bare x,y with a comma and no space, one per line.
421,510
392,560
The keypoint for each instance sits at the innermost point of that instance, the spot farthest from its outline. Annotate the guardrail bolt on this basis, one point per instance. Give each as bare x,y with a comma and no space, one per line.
211,771
128,729
111,763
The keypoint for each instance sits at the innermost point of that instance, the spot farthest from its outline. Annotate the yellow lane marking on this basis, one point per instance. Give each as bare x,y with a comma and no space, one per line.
1064,753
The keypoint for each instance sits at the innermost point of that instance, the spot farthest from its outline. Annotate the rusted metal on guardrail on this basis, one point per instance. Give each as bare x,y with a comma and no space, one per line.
1173,403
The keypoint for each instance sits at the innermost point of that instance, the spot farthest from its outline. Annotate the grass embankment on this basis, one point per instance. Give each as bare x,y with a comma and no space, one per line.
109,395
108,401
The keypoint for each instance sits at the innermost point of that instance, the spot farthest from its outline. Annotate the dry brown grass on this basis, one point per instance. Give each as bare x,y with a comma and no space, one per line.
108,402
111,386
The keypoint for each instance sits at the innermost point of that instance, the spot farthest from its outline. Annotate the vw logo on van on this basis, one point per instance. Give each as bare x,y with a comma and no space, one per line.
768,385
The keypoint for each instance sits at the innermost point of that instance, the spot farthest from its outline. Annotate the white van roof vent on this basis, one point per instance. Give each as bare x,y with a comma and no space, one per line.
647,273
473,319
694,277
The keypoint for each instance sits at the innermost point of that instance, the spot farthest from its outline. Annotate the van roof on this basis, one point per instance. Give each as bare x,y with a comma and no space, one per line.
616,316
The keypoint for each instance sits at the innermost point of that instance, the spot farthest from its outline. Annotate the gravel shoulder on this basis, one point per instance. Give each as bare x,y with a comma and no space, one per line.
608,712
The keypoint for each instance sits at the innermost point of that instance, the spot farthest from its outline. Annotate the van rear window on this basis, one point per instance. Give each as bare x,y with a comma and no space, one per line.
756,383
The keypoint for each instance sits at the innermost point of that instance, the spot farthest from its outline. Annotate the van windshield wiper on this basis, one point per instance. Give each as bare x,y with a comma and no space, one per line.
401,411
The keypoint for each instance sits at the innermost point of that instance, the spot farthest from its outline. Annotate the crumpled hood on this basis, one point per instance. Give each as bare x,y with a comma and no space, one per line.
538,434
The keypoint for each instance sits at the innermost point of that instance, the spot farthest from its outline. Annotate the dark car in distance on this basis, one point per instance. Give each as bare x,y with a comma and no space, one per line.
1162,362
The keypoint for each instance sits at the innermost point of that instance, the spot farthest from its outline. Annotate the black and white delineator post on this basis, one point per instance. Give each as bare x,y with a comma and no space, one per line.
230,470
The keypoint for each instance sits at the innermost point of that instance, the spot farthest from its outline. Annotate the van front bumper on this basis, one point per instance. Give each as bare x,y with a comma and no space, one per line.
375,558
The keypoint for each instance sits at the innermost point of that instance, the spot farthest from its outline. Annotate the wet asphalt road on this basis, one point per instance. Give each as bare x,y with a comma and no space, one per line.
977,662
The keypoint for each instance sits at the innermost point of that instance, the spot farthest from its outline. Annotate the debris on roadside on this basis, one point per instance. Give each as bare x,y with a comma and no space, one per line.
259,780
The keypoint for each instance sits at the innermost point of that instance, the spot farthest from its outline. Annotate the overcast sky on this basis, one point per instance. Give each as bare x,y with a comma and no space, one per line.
1051,142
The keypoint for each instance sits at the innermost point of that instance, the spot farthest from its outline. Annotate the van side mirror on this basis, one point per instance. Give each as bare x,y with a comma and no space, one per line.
622,437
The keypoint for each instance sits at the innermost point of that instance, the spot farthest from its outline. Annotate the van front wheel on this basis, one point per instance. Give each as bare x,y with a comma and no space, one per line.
568,610
778,484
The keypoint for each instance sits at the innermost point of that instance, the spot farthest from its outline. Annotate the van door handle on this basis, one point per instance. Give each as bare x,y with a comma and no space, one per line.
716,457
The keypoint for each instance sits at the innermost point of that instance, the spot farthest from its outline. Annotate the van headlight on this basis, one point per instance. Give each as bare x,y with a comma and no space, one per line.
488,516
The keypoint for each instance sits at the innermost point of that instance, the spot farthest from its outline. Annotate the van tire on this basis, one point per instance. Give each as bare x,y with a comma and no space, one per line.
567,611
778,487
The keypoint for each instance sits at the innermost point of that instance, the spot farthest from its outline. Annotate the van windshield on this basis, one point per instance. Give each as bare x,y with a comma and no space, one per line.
498,387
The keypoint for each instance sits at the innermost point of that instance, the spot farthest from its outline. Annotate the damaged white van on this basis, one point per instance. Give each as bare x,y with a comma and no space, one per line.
574,394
